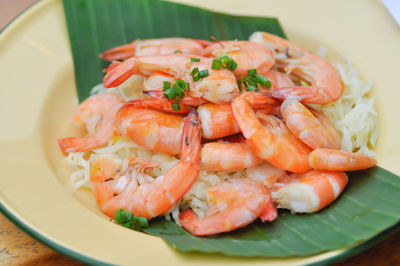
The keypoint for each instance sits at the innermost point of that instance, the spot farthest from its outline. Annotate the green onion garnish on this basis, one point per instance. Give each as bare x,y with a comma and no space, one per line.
128,220
177,52
203,73
224,61
252,80
266,83
216,64
252,88
195,74
175,106
251,72
177,91
192,59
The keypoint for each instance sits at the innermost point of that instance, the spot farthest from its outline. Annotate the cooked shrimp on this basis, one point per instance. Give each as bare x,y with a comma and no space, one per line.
218,87
278,79
160,104
155,82
114,190
325,82
336,160
311,191
248,55
310,126
270,137
265,173
151,129
98,113
225,156
235,203
217,120
155,47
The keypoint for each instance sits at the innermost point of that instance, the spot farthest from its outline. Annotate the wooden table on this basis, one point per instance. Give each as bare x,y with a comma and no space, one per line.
17,248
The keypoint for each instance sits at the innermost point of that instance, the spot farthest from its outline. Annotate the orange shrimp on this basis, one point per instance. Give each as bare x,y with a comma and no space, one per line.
114,190
98,113
218,87
336,160
311,191
155,47
235,203
151,129
217,120
248,55
155,82
325,82
270,137
225,156
310,126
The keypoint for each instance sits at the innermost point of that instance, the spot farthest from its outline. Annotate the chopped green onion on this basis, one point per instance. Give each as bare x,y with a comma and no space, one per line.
177,52
233,65
252,88
195,74
203,73
251,72
128,220
263,81
216,64
192,59
177,91
225,61
175,107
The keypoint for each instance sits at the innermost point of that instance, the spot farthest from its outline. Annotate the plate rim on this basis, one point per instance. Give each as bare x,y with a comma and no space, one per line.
42,238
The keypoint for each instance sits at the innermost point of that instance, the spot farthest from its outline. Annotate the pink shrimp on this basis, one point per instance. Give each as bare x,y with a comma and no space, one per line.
325,82
235,203
151,129
155,47
336,160
114,190
270,137
311,191
310,126
248,55
225,156
98,113
218,87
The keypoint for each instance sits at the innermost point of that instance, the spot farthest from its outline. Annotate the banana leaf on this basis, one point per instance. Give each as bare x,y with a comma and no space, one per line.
369,205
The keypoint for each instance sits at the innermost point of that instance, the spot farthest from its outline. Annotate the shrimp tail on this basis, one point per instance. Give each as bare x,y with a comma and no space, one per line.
188,219
77,144
112,66
120,73
160,105
120,52
269,213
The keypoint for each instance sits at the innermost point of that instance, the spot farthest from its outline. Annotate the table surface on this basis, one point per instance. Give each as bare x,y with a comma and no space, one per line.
16,247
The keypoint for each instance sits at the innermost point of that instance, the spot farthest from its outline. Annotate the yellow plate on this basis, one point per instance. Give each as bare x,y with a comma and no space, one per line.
37,96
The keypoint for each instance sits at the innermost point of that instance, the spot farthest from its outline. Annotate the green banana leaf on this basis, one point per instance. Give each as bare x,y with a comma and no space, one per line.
369,205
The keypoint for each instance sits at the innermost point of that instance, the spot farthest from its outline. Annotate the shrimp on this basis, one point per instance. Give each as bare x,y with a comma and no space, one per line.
310,126
278,80
268,175
270,137
235,203
248,55
98,113
114,190
155,47
311,191
219,86
325,82
151,129
217,120
336,160
155,82
225,156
